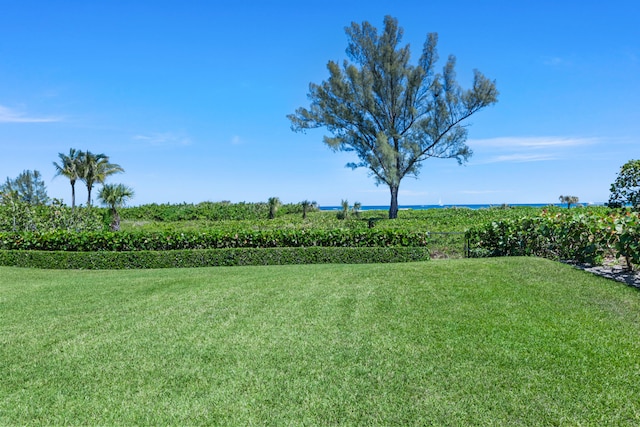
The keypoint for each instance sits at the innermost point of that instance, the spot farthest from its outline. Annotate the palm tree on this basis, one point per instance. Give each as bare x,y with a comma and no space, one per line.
96,168
274,204
356,209
69,168
344,213
306,205
114,196
569,200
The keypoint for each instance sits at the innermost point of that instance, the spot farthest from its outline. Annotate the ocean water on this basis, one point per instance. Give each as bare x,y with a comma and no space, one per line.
422,207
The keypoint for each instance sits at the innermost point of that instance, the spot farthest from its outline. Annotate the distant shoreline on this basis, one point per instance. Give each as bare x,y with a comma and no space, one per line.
469,206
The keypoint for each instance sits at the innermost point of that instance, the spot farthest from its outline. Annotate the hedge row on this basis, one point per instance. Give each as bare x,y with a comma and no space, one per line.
212,239
209,257
580,237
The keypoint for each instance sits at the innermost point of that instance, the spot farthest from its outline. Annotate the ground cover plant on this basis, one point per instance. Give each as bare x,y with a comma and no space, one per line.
451,342
255,216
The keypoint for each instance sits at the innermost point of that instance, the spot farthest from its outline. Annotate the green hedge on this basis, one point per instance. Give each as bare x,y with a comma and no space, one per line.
211,239
209,257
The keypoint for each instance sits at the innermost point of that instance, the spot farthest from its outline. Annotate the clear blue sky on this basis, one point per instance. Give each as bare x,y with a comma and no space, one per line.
191,97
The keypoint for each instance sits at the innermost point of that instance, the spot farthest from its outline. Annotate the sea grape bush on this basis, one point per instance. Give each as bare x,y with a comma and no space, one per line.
434,220
210,211
627,230
584,236
19,216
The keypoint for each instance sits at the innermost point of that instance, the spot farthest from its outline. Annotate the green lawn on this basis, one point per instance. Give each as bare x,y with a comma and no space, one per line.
517,341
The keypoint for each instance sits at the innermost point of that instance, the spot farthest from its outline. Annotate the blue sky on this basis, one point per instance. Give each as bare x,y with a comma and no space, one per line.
191,97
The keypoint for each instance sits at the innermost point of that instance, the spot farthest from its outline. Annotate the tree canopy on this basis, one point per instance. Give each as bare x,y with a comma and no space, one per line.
115,196
94,168
392,114
69,167
28,187
626,188
569,200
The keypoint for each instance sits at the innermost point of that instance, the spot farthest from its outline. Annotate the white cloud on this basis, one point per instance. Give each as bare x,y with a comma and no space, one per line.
236,140
164,139
521,158
528,149
532,142
7,115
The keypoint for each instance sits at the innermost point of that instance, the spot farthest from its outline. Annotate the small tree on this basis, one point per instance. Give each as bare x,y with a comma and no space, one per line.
626,188
114,196
356,209
28,187
569,200
274,204
306,205
19,214
344,213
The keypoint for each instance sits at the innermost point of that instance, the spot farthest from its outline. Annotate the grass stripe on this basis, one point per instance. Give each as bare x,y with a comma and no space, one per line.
519,341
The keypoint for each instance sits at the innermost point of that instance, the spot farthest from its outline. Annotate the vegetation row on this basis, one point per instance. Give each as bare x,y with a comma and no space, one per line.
19,216
583,236
210,257
211,239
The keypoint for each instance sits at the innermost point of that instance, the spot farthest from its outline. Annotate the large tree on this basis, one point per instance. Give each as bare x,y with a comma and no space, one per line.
392,114
95,168
115,196
69,167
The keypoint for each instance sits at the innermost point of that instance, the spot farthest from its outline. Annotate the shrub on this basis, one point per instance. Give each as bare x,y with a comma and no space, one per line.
211,239
209,257
21,216
584,236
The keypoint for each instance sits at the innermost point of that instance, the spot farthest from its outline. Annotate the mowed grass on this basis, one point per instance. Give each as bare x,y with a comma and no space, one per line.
517,341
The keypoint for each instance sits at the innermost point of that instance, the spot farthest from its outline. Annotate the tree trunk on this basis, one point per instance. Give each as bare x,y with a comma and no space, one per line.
73,196
115,223
393,207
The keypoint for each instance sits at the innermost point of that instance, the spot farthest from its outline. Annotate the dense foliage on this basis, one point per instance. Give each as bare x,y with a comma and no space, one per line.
19,216
28,187
626,188
211,257
583,235
211,239
586,234
210,211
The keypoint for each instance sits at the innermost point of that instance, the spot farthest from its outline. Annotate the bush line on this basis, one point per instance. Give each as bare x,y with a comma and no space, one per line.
582,237
212,239
108,260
